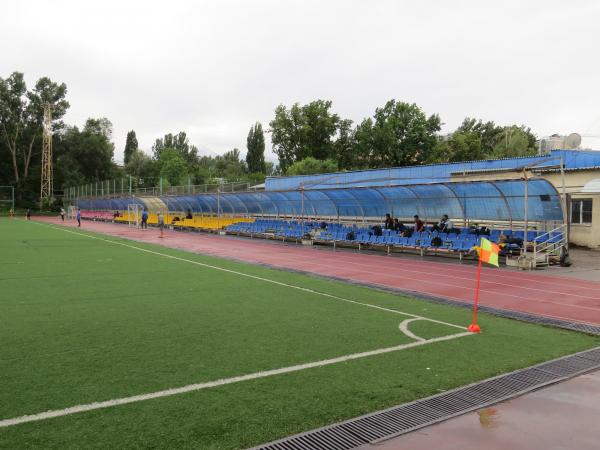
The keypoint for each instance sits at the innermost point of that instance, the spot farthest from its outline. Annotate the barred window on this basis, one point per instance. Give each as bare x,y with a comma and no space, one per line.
581,210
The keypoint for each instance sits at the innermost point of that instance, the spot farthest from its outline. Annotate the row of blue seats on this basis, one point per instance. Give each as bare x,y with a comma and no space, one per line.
335,231
445,237
462,245
292,229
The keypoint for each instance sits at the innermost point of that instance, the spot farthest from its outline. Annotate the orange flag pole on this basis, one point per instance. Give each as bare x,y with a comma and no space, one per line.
474,328
487,252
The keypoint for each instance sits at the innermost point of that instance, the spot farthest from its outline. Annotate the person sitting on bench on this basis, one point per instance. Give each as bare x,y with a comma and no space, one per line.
389,222
400,227
444,225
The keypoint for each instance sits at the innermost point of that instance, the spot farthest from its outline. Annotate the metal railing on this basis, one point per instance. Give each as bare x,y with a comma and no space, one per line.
549,244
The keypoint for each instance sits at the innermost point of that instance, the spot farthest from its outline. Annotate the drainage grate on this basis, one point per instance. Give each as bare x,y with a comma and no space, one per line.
401,419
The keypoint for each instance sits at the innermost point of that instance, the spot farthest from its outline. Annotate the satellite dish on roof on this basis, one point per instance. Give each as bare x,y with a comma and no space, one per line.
573,141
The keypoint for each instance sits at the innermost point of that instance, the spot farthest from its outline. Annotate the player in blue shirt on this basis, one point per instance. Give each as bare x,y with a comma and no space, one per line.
145,218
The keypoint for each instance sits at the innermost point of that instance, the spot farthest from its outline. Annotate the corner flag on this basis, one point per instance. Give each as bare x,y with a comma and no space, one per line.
488,253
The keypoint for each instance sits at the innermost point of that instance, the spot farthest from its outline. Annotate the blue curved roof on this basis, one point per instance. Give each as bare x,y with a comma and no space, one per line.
432,173
482,200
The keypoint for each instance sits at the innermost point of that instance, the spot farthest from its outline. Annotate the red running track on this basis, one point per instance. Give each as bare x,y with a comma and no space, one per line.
535,293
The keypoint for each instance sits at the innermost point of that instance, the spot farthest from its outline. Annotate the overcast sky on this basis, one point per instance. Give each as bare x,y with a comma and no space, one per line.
212,68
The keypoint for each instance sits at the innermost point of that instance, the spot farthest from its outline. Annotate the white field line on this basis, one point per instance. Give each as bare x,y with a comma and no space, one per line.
404,328
255,277
221,382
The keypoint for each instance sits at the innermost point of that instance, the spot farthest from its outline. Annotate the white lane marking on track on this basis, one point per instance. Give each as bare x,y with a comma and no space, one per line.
221,382
267,280
440,283
486,284
404,328
445,273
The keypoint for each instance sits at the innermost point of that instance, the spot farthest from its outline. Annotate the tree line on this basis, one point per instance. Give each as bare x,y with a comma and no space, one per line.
306,139
311,138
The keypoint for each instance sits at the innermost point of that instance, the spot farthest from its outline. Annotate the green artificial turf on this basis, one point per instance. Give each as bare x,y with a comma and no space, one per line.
84,320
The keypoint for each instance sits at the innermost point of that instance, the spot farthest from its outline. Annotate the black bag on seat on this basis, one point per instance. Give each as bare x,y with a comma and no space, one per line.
436,241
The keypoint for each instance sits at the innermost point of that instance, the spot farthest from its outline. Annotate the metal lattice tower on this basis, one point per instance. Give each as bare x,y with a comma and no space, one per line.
47,187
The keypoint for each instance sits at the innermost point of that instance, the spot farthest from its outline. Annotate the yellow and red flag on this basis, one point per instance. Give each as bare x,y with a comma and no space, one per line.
488,252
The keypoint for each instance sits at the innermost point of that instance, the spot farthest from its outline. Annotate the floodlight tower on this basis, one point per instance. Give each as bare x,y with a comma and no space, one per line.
47,187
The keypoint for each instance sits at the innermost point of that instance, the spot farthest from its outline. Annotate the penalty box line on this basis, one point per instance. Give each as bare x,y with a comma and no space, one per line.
220,382
256,277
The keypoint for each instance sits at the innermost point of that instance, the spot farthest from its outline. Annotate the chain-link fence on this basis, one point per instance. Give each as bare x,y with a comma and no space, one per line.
132,186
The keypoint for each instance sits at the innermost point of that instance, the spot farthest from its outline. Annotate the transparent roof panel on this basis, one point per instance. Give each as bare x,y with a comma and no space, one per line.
484,200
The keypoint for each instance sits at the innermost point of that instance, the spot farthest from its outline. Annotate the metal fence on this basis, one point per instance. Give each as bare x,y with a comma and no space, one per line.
132,186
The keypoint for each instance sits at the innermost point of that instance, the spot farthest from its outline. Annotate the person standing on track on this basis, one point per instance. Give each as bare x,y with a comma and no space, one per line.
161,223
28,214
145,219
62,214
78,217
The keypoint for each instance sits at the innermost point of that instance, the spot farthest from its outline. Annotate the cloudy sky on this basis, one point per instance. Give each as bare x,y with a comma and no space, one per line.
212,68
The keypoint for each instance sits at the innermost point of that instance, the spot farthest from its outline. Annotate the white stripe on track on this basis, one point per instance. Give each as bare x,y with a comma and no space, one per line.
221,382
446,270
255,277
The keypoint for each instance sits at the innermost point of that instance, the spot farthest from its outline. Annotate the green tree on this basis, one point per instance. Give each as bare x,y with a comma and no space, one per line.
311,166
501,142
489,133
271,169
286,134
84,156
345,146
320,126
178,142
230,166
255,143
303,131
131,146
401,135
173,168
21,115
141,165
514,141
364,147
459,146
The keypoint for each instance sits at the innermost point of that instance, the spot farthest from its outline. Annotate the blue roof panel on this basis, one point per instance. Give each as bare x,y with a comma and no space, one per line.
433,173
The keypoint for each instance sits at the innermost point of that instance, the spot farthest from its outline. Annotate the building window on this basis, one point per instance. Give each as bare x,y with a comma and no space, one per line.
581,210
